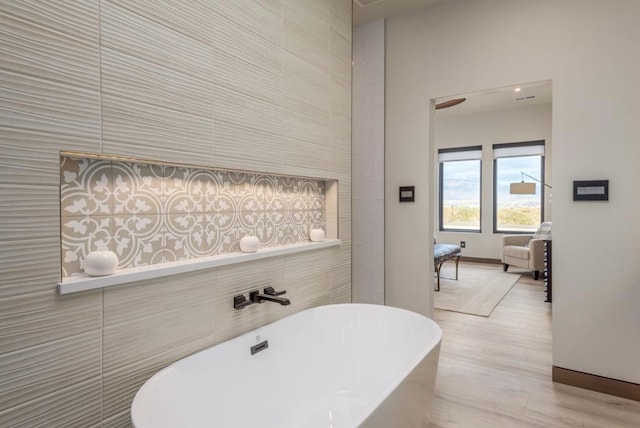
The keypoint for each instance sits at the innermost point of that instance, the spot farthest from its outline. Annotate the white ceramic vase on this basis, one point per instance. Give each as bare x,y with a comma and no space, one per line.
316,235
100,263
249,244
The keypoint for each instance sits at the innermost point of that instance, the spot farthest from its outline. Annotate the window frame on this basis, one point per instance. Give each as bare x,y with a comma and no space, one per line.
495,183
441,227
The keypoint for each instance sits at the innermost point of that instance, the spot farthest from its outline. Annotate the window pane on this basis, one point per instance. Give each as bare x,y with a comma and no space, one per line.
517,213
460,189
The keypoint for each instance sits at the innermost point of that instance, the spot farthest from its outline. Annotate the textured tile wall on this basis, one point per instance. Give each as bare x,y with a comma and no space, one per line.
150,214
258,85
368,163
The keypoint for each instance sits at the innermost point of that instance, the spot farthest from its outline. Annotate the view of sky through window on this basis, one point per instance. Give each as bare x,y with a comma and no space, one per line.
461,195
518,212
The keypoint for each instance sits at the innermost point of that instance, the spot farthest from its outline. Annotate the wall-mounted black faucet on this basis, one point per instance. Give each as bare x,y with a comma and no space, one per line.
269,295
241,302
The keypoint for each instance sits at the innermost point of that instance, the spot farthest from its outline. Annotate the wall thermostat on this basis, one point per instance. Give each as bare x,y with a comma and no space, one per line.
591,190
407,194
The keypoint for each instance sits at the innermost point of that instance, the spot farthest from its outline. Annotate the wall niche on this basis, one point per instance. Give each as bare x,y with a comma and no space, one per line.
152,213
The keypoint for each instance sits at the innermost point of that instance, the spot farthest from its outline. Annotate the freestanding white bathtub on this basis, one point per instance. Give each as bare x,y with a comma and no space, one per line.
336,366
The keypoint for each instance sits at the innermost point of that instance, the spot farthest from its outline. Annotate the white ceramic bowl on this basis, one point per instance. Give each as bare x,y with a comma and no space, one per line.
249,244
100,263
316,235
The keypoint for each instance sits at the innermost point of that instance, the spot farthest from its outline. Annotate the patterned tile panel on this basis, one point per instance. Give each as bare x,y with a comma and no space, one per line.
150,214
138,189
85,187
138,239
80,236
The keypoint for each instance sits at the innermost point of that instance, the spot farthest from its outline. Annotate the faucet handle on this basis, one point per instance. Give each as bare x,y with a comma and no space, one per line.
241,302
270,291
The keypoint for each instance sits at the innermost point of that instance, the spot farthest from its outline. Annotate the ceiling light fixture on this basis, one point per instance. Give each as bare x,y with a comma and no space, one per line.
517,89
450,103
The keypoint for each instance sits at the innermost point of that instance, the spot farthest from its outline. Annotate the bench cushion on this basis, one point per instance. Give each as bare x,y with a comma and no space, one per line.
445,251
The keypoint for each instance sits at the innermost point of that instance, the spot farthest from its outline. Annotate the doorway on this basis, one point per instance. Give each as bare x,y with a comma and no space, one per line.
464,137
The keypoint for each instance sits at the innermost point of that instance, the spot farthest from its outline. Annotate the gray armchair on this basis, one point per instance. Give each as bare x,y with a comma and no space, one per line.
526,251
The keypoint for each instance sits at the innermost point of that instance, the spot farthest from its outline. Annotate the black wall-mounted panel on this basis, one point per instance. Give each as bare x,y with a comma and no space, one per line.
591,190
407,194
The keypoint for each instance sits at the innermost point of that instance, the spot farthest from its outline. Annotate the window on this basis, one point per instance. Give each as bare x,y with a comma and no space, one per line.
517,213
460,172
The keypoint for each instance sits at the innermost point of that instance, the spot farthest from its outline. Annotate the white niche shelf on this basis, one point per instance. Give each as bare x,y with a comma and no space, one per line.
83,282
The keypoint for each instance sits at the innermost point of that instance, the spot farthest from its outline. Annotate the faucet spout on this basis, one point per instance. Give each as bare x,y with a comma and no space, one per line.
257,297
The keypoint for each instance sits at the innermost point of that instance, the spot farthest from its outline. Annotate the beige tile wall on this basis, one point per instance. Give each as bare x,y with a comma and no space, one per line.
252,85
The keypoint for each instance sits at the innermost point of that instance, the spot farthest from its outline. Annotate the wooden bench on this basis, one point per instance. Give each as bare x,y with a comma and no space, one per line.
442,253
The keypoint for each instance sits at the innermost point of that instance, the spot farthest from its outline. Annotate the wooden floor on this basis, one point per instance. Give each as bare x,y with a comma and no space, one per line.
496,371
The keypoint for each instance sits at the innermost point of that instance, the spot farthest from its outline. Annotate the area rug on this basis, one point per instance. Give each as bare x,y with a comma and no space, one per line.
478,290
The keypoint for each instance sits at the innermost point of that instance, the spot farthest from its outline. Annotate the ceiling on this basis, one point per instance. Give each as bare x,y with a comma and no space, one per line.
530,94
369,10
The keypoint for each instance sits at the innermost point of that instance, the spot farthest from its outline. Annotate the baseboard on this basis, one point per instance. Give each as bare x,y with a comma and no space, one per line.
606,385
480,260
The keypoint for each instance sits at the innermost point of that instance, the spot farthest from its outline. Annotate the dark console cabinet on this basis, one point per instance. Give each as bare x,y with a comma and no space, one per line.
547,270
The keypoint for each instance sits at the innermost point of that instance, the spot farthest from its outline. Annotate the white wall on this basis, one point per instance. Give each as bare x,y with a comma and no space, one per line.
589,51
367,170
486,129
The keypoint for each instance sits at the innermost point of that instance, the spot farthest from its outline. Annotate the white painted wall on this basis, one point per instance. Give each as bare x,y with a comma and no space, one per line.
486,129
589,50
368,163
